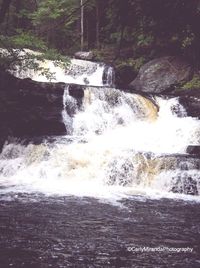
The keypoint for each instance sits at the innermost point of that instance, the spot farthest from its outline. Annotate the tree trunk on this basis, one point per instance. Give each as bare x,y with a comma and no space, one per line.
4,9
18,8
82,25
7,22
118,54
97,25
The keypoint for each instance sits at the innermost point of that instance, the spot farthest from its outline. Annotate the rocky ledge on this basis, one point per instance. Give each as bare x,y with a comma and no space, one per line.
190,100
31,109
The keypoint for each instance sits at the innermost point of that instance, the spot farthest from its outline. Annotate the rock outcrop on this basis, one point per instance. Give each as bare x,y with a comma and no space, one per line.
193,150
161,75
29,108
124,75
190,100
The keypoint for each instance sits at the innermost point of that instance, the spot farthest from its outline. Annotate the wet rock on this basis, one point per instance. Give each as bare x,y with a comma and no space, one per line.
180,162
185,185
193,150
190,100
84,55
148,169
120,172
124,76
77,92
81,68
161,75
29,108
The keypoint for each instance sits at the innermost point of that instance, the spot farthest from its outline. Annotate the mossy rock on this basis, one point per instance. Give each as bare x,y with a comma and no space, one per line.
162,75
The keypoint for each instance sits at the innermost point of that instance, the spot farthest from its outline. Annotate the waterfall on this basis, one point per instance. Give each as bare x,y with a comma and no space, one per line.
79,72
117,144
109,76
69,107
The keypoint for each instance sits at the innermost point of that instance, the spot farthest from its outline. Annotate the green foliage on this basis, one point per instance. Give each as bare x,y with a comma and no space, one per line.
138,30
57,21
136,64
14,55
194,83
27,40
144,40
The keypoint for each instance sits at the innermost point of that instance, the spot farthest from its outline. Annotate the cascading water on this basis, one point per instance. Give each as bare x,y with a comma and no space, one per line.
68,102
117,143
79,72
109,76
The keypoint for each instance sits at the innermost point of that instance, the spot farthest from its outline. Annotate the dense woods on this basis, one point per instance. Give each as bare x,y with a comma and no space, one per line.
124,31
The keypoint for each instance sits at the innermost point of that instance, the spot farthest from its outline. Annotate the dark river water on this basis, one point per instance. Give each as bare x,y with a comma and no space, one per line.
39,231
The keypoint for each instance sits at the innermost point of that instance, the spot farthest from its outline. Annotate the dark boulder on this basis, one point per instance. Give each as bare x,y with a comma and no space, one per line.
193,150
161,75
124,76
29,108
77,92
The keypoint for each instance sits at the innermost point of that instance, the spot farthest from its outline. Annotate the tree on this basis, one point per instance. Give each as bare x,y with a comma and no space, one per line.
82,25
139,29
4,9
97,25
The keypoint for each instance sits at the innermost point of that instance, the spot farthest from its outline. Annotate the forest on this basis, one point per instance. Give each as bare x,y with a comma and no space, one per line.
123,32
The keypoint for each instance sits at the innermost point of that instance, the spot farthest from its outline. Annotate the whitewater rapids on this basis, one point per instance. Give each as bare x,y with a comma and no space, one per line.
74,71
119,144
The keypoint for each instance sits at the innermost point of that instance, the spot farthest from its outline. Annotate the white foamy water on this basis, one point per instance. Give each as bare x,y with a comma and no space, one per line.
88,73
115,149
79,72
